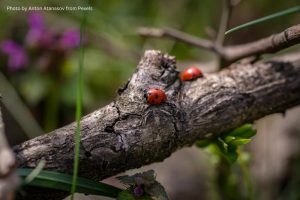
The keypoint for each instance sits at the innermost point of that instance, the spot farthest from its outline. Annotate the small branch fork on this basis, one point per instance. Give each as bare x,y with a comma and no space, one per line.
230,54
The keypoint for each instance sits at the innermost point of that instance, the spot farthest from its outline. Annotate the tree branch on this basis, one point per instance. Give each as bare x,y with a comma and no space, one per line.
177,35
128,133
230,54
271,44
8,179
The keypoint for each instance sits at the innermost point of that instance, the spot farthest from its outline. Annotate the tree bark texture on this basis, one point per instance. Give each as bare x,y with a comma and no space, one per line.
129,133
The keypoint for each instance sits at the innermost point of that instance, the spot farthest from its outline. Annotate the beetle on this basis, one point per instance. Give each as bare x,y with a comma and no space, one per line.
155,96
190,73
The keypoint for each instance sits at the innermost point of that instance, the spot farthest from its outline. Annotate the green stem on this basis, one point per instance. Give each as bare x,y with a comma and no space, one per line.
78,108
247,179
52,105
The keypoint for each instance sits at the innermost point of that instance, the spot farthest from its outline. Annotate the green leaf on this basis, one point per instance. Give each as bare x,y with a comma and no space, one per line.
231,155
228,139
60,181
248,134
239,142
126,195
244,131
222,145
266,18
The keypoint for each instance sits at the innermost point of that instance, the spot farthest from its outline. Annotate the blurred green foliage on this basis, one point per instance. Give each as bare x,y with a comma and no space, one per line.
230,162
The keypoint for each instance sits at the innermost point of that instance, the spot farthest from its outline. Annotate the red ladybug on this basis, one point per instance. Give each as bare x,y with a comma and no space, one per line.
155,96
190,73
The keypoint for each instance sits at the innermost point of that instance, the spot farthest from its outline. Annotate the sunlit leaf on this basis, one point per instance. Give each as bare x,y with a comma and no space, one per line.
239,142
227,139
245,131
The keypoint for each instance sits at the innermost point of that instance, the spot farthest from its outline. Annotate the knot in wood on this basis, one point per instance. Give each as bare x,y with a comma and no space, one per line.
158,68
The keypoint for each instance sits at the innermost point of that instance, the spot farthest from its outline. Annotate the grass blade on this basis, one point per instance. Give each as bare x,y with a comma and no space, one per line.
60,181
78,107
266,18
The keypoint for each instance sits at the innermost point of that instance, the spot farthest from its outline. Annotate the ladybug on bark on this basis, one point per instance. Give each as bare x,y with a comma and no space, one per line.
190,73
155,96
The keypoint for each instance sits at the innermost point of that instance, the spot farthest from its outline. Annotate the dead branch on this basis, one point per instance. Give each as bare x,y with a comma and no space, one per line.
177,35
271,44
230,54
128,133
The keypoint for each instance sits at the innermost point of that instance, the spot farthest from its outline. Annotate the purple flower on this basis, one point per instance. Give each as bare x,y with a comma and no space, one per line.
138,191
70,39
36,20
36,28
17,57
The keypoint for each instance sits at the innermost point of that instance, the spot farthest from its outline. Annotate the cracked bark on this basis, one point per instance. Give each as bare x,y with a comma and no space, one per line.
129,133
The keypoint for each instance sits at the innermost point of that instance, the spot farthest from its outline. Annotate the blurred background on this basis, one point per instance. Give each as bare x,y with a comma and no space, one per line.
39,59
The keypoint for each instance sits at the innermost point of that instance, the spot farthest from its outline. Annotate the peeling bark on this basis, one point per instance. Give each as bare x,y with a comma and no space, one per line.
129,133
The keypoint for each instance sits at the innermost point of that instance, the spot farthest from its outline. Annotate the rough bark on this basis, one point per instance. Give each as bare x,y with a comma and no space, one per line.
129,133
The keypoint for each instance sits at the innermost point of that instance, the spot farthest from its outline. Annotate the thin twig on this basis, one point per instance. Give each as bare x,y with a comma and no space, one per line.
224,21
177,35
